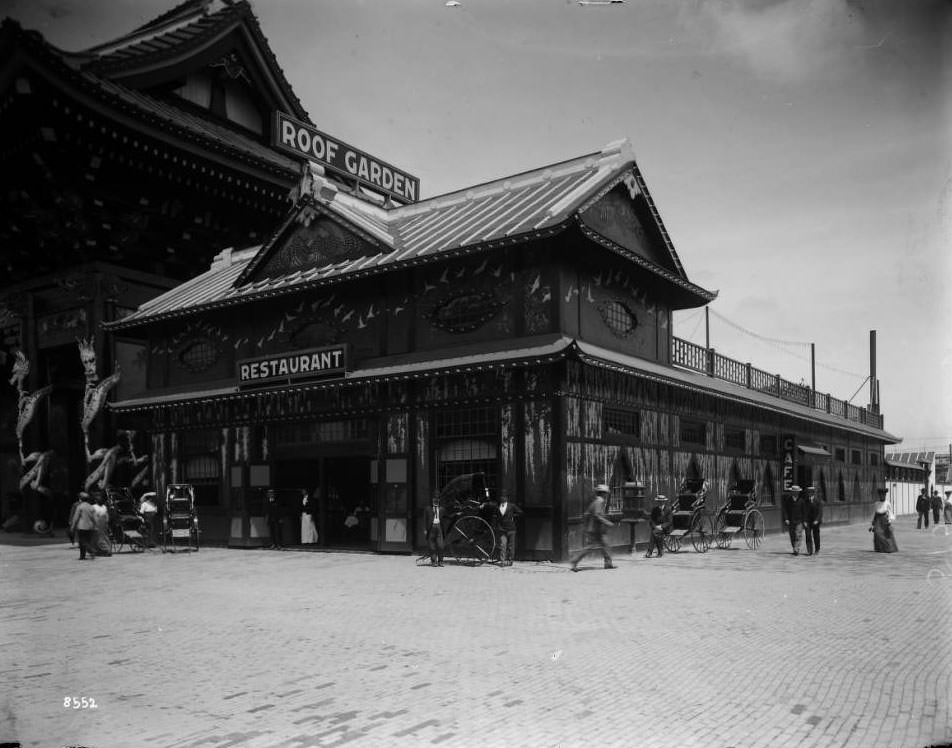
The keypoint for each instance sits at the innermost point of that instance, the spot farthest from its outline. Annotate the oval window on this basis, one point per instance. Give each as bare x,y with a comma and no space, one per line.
465,313
199,355
618,317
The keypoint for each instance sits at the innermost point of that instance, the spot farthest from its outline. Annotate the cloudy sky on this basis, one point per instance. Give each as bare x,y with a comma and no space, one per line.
800,151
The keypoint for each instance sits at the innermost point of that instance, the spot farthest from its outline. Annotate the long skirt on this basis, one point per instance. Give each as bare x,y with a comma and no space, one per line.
308,529
884,541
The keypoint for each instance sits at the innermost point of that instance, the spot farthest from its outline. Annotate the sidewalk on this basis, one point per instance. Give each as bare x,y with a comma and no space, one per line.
267,649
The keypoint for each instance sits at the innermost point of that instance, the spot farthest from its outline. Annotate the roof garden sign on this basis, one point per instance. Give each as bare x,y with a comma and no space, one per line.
300,139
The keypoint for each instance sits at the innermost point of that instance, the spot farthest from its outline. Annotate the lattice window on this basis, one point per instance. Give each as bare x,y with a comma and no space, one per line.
465,313
620,422
840,454
467,441
856,457
873,459
618,317
693,432
768,445
734,439
201,464
198,355
467,422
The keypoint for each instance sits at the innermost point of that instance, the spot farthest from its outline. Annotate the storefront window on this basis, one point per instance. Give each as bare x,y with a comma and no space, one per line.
467,441
201,465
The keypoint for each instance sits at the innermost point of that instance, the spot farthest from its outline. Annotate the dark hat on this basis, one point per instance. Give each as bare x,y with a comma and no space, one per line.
882,490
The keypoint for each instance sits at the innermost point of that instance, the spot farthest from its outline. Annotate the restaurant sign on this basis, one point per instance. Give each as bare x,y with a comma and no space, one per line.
300,139
328,361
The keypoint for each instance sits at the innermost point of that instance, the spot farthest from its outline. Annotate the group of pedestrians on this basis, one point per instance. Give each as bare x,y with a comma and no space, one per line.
934,503
802,517
89,527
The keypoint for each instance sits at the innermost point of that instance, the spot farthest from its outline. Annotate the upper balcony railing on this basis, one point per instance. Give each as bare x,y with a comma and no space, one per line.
707,361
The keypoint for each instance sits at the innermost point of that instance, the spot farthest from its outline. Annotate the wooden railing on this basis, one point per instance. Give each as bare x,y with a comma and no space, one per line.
695,357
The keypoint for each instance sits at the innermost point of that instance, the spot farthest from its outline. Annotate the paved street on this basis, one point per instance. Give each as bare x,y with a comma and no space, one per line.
267,649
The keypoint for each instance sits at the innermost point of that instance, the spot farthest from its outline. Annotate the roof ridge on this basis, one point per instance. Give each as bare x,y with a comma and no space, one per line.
618,151
165,24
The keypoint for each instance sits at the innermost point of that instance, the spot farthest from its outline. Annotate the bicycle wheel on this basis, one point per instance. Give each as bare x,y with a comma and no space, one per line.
471,540
754,529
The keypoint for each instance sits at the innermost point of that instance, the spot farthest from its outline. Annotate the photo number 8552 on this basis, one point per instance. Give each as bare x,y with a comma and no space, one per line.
79,702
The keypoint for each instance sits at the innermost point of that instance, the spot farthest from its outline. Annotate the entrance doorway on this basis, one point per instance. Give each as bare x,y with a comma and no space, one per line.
348,506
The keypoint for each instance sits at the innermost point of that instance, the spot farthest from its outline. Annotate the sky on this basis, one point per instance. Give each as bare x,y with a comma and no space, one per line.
799,151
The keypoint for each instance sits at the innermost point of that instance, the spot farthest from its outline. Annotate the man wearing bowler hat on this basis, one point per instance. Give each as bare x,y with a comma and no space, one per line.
792,508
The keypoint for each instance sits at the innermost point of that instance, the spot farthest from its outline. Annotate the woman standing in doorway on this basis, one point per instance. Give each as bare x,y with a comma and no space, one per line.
309,506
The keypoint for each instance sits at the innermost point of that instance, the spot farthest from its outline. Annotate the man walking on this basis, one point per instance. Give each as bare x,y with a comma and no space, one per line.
793,516
433,522
922,509
936,503
596,523
660,521
83,524
812,519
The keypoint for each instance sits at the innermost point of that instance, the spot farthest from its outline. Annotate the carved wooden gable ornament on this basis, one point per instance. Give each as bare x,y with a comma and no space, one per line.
312,238
622,216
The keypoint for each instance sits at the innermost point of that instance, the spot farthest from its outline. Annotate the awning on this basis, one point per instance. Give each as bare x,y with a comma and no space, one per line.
808,450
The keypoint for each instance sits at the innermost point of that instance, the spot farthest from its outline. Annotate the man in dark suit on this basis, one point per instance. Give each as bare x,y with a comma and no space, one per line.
660,520
433,520
792,508
812,519
504,516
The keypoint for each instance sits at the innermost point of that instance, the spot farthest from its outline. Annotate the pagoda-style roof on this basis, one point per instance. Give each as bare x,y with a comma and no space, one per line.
117,77
531,205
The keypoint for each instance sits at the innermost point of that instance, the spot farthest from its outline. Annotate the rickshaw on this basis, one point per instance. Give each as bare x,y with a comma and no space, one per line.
179,519
470,537
740,514
690,518
126,525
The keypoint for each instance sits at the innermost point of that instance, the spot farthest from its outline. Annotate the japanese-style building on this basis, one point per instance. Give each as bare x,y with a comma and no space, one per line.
520,328
123,169
366,342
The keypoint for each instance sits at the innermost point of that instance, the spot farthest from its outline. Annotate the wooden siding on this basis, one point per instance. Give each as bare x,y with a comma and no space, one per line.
538,453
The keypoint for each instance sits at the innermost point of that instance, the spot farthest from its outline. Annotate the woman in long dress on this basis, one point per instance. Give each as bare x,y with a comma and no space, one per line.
884,540
308,528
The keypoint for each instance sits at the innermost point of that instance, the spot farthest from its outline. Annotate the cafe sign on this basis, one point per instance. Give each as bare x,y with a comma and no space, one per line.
329,361
300,139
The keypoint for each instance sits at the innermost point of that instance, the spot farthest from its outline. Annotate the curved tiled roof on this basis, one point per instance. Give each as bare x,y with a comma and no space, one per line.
539,203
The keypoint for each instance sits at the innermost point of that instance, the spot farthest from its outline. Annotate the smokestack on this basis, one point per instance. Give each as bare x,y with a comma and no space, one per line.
873,382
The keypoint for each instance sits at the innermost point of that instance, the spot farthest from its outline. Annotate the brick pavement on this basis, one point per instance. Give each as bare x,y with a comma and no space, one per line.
732,648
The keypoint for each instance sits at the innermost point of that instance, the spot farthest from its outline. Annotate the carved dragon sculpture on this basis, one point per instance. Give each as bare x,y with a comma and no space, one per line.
28,401
95,396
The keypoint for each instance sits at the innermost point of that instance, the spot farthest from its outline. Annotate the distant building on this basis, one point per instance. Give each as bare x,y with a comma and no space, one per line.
908,472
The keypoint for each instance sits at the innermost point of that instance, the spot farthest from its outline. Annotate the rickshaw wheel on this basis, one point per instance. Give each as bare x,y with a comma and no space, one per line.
193,538
471,540
115,544
754,529
722,539
672,543
702,533
137,545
